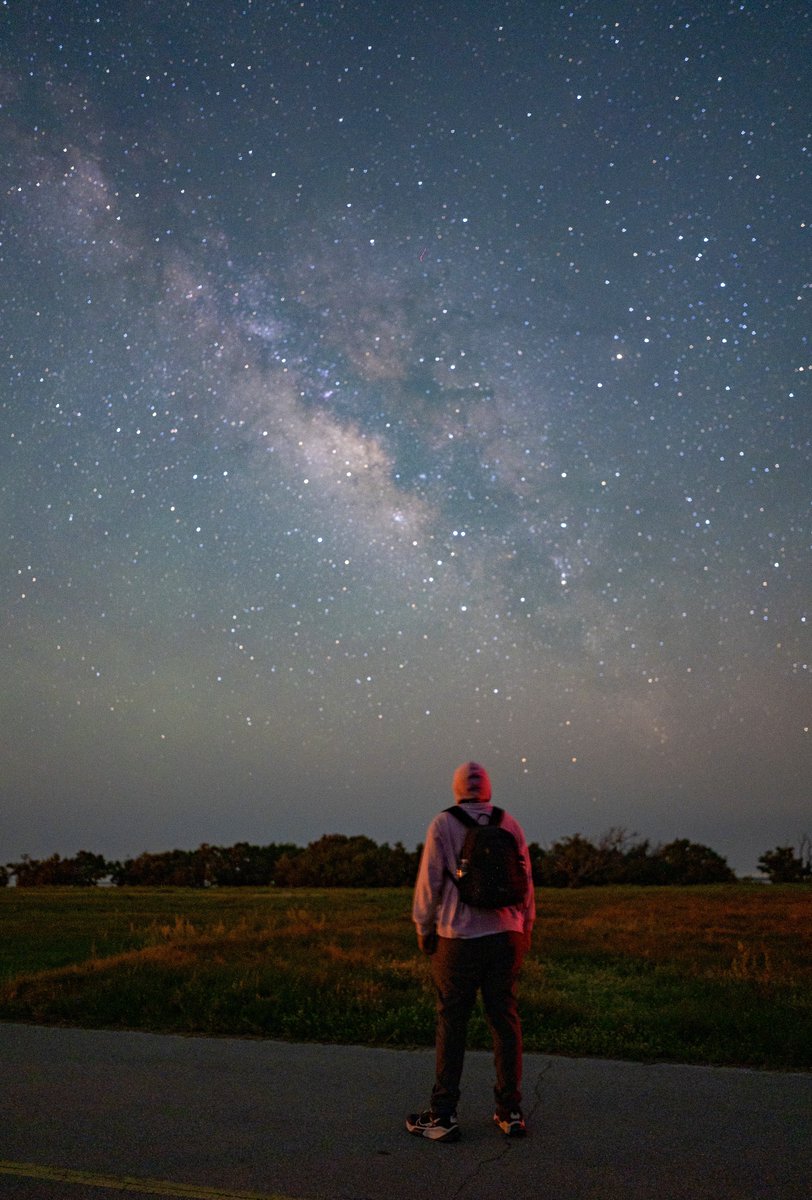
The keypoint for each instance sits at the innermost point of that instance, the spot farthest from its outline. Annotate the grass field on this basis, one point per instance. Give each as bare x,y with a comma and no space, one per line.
702,975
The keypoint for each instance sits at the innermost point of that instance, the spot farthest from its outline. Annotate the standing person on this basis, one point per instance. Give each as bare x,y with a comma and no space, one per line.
471,948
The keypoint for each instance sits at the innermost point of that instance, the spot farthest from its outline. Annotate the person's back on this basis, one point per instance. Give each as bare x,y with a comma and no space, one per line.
471,948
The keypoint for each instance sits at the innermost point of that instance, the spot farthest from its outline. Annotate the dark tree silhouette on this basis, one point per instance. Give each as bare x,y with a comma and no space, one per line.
783,865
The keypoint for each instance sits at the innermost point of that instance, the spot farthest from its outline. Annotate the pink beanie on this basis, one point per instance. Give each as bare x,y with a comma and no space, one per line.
471,782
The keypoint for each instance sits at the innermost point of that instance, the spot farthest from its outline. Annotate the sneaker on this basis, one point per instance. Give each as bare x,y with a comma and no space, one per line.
439,1129
511,1125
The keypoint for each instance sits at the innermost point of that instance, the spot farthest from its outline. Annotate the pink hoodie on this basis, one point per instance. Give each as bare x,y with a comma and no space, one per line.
436,902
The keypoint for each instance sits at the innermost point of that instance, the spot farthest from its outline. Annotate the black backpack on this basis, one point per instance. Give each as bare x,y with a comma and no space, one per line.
491,872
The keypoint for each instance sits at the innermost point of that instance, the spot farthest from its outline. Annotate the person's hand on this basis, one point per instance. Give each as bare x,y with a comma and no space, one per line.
427,942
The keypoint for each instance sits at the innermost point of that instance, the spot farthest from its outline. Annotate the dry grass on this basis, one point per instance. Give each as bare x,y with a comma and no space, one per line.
726,931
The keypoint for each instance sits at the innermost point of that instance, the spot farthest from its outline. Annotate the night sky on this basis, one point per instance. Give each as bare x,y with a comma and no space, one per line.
390,384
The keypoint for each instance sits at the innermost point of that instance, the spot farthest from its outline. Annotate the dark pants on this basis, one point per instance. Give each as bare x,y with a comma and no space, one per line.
460,967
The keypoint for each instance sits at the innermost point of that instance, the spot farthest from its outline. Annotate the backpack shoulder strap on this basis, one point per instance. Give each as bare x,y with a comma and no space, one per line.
466,819
463,817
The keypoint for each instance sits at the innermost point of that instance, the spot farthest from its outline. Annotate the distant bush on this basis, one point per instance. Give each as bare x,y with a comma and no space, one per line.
85,870
577,862
783,865
233,866
241,865
339,861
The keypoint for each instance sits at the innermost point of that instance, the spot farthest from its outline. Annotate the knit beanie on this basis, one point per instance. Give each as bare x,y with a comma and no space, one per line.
471,782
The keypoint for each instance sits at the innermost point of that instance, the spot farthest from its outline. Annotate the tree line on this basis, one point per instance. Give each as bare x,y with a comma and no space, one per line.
338,860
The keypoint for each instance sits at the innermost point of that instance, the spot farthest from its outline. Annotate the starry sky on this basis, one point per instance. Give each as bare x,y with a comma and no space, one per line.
386,384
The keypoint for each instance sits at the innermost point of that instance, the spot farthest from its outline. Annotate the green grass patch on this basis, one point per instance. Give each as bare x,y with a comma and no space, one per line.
702,975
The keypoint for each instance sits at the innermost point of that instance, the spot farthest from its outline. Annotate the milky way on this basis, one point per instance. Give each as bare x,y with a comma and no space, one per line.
389,384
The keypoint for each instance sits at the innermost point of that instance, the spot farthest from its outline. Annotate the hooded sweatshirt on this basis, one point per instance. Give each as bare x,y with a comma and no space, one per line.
437,904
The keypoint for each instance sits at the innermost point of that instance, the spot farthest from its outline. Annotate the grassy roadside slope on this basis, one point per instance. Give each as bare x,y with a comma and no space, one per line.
703,975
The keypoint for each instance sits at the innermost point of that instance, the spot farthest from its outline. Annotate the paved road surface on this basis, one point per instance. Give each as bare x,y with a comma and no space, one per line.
91,1115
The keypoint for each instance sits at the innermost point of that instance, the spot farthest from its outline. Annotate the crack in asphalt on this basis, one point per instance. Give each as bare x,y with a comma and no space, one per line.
508,1145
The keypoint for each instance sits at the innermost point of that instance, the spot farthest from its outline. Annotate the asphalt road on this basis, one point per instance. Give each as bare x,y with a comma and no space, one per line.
91,1115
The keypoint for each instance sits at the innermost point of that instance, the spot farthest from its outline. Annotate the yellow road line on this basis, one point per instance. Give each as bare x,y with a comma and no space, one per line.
128,1183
